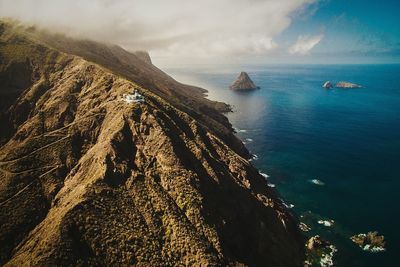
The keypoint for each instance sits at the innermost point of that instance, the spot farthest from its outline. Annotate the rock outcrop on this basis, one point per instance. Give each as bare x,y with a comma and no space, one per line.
89,180
316,242
370,242
347,85
319,252
243,83
327,85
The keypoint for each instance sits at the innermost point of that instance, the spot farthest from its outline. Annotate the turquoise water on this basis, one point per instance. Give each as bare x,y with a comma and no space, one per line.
347,138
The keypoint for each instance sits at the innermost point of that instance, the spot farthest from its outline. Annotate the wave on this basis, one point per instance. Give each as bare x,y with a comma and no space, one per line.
327,223
264,174
240,130
289,206
317,182
327,259
372,249
253,157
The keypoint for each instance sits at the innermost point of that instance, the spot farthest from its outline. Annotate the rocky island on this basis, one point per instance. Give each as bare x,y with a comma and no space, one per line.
243,83
347,85
327,85
87,179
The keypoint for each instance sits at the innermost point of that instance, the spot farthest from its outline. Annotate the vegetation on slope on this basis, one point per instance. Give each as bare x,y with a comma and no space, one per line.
87,179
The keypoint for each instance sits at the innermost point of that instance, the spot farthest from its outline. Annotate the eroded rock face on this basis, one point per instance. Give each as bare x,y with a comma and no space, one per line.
243,82
88,179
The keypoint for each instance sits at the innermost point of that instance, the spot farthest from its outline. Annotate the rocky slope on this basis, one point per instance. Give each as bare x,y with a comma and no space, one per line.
89,180
243,83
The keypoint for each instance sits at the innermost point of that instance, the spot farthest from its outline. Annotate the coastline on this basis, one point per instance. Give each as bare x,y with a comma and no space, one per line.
287,121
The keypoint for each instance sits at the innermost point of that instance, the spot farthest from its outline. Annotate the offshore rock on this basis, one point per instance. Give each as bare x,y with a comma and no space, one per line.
327,85
243,83
347,85
370,242
316,242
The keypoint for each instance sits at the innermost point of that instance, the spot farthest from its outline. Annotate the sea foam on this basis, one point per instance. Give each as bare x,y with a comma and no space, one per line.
253,157
327,223
240,130
373,249
317,182
327,259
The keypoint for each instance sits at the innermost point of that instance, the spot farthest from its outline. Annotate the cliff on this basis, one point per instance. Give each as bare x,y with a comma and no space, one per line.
87,179
243,83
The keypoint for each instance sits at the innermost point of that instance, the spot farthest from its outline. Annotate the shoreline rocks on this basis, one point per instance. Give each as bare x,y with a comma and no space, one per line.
304,227
370,241
320,252
316,242
243,83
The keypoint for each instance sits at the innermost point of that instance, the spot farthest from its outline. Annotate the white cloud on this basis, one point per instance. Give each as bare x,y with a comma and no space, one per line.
189,27
305,44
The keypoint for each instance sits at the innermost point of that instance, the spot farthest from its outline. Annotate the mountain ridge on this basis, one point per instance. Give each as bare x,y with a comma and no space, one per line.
87,179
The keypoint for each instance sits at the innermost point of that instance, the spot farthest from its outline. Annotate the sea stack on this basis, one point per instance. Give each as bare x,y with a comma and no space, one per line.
243,83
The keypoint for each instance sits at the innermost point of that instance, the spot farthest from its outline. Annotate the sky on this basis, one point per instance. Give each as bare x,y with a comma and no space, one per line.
228,31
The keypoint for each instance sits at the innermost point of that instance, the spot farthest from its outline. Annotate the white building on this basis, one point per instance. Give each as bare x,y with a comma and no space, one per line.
133,98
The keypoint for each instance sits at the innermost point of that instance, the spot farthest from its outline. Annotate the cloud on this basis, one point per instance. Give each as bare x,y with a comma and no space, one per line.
305,44
202,28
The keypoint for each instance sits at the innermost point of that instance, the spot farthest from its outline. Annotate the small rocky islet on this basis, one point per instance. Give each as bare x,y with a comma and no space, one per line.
370,241
341,84
243,83
347,85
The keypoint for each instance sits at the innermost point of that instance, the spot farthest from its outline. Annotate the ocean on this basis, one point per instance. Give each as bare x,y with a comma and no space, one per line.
349,139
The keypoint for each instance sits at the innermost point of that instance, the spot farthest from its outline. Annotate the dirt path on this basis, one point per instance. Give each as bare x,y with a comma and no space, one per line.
37,179
34,151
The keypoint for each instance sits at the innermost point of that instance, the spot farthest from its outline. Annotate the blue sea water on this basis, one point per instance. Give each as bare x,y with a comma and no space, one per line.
347,138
